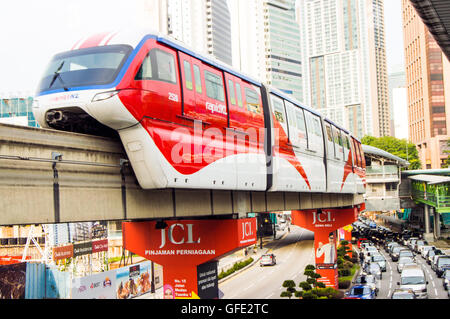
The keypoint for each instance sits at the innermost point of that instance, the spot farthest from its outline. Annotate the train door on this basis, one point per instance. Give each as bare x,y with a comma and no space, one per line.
316,152
189,93
331,161
283,171
299,143
212,111
337,171
348,184
255,178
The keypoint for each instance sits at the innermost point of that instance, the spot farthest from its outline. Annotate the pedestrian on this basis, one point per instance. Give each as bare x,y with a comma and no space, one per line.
361,257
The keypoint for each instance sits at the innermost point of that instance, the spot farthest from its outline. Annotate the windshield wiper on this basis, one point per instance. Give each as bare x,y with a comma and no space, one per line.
58,75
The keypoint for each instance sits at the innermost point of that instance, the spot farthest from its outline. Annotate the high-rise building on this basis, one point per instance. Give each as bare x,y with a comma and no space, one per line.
267,43
397,101
428,89
202,24
345,62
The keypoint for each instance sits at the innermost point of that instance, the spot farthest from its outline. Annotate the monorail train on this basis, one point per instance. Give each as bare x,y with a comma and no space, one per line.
189,121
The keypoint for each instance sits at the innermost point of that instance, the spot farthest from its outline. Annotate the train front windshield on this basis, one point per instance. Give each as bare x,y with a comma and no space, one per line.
84,67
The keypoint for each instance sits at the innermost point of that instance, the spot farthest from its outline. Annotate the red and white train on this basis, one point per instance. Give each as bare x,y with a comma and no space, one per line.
188,121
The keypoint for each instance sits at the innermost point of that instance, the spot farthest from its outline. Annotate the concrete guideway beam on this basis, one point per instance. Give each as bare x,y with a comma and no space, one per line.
88,183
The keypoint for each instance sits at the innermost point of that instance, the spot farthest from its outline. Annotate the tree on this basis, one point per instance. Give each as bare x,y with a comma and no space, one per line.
398,147
290,288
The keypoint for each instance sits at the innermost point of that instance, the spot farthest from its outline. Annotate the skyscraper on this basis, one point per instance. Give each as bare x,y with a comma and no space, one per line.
202,24
428,88
267,43
345,62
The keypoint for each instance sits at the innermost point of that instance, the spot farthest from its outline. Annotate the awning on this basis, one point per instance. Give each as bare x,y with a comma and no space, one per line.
430,179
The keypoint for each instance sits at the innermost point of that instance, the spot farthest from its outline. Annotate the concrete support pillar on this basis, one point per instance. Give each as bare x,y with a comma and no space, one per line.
324,224
428,235
437,223
188,250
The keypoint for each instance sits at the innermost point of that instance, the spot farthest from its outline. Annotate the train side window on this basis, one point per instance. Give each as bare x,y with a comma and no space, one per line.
198,79
158,65
300,120
231,92
188,75
252,99
346,142
214,86
329,135
146,70
290,110
357,155
239,94
278,110
317,126
165,66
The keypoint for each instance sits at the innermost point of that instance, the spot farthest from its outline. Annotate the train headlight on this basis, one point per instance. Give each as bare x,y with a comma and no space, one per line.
104,96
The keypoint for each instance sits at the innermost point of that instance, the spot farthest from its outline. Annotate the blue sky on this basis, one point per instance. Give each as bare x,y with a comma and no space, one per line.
394,35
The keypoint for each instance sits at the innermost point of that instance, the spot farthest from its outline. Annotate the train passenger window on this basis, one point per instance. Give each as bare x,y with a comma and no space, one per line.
290,109
188,75
300,120
145,71
278,110
346,142
214,86
239,94
231,92
317,126
158,65
198,79
166,66
252,99
329,135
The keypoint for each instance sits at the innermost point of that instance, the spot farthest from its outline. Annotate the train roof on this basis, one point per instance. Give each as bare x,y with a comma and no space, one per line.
137,37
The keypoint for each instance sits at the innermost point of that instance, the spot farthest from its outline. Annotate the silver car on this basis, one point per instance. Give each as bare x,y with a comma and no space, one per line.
404,261
380,260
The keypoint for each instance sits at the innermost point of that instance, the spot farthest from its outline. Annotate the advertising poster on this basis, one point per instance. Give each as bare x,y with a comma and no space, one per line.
98,286
207,281
134,280
183,245
325,223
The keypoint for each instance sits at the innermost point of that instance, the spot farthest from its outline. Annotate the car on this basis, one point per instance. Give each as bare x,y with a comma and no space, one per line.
402,261
446,278
434,261
373,269
368,280
267,260
360,292
403,294
442,264
418,244
411,241
391,247
424,249
414,278
406,253
378,258
431,254
395,253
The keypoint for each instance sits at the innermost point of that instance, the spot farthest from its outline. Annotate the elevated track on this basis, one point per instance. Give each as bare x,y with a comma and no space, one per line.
49,176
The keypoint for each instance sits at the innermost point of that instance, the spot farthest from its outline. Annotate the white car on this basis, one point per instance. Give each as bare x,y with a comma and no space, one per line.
424,249
403,261
267,260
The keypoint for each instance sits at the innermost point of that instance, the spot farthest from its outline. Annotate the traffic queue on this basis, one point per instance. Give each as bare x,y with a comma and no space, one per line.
403,249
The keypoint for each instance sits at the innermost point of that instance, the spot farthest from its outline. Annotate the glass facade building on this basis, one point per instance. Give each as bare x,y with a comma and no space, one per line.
283,47
17,109
344,62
